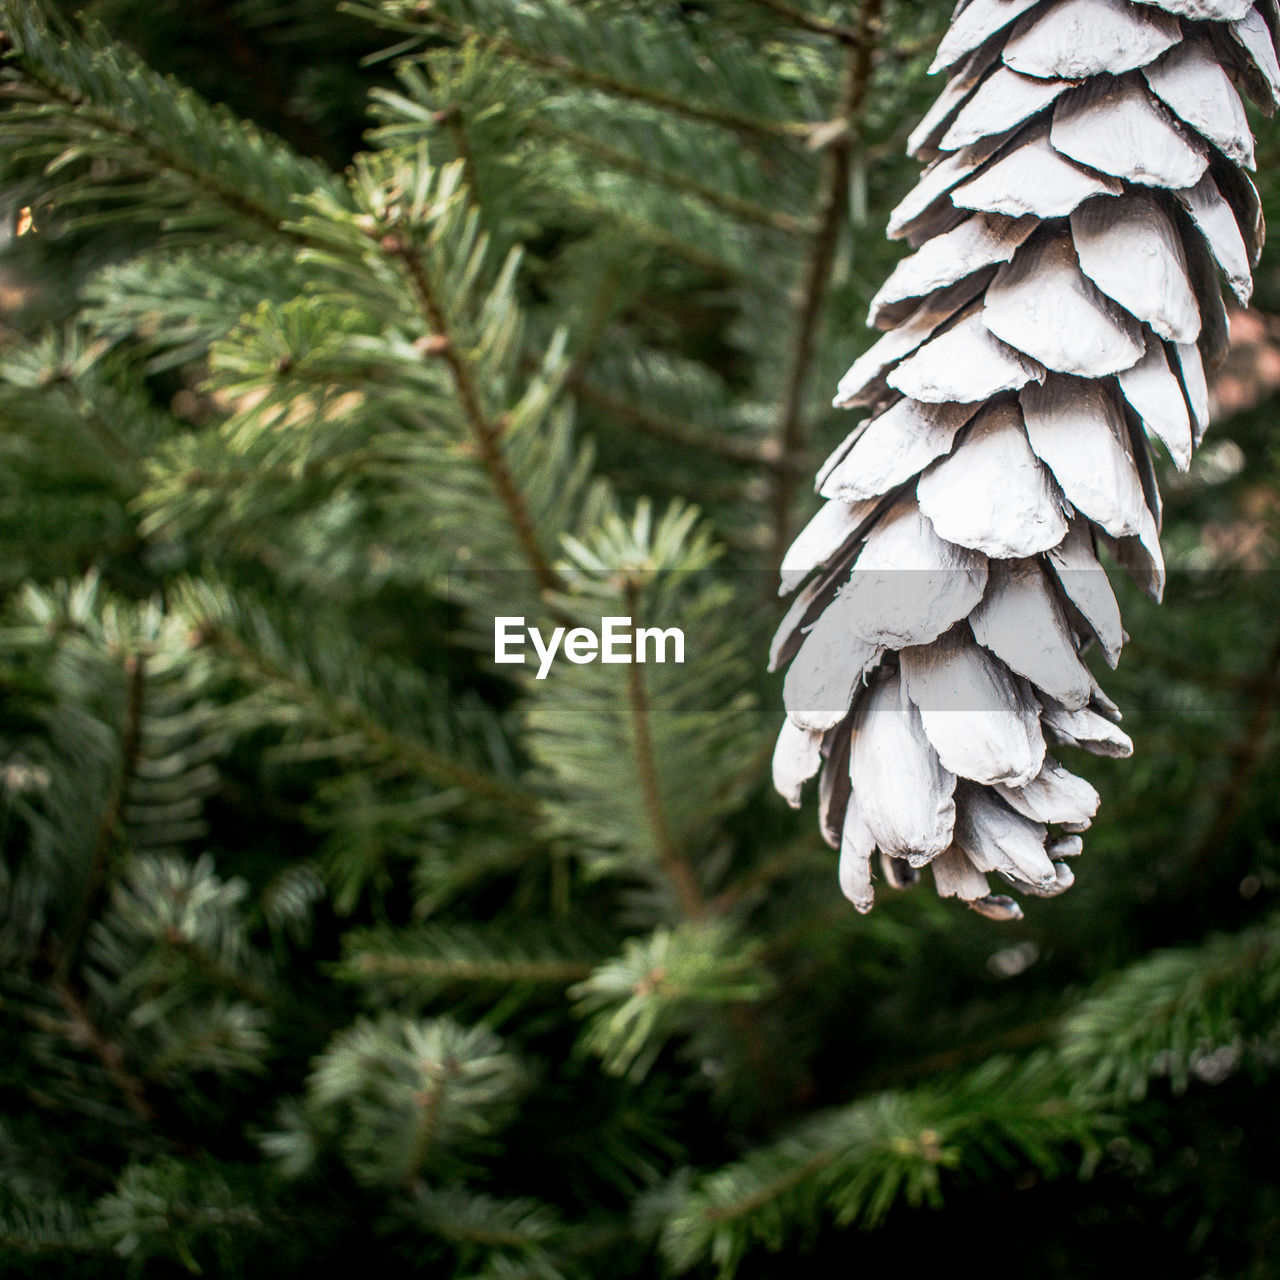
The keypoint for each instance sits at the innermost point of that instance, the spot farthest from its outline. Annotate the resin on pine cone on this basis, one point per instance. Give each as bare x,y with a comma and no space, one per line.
1083,196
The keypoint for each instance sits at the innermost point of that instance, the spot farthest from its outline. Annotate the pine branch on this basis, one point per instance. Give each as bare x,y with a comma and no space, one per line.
412,1096
856,1163
747,124
168,1211
220,974
81,1029
1194,1011
663,985
431,764
89,396
68,93
179,303
792,431
471,1220
1182,1013
47,1230
644,766
487,433
432,958
841,31
126,743
671,857
455,122
674,180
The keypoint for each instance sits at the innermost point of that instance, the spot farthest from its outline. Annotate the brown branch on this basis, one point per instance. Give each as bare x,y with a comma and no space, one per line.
792,431
671,858
487,433
217,973
82,1029
451,118
430,1102
770,1190
504,972
811,22
674,861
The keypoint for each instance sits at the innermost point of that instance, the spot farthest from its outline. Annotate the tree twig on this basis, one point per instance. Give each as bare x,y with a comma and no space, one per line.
82,1029
792,430
671,858
487,433
451,118
675,862
500,972
841,31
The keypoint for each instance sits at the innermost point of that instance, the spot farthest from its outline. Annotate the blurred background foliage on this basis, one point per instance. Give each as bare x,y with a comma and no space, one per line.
326,940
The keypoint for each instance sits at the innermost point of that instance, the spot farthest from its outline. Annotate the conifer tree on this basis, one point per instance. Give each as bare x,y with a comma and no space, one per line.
328,336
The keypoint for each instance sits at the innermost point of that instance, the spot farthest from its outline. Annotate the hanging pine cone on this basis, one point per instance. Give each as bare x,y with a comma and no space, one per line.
1084,191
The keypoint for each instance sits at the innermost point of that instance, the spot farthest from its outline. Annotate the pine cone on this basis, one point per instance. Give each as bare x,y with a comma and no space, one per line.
1084,191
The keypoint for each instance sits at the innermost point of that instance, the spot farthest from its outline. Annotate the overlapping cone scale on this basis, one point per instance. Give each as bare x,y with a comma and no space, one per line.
1084,197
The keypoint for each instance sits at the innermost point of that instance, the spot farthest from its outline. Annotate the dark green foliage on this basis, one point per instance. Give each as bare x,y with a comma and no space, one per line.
327,943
